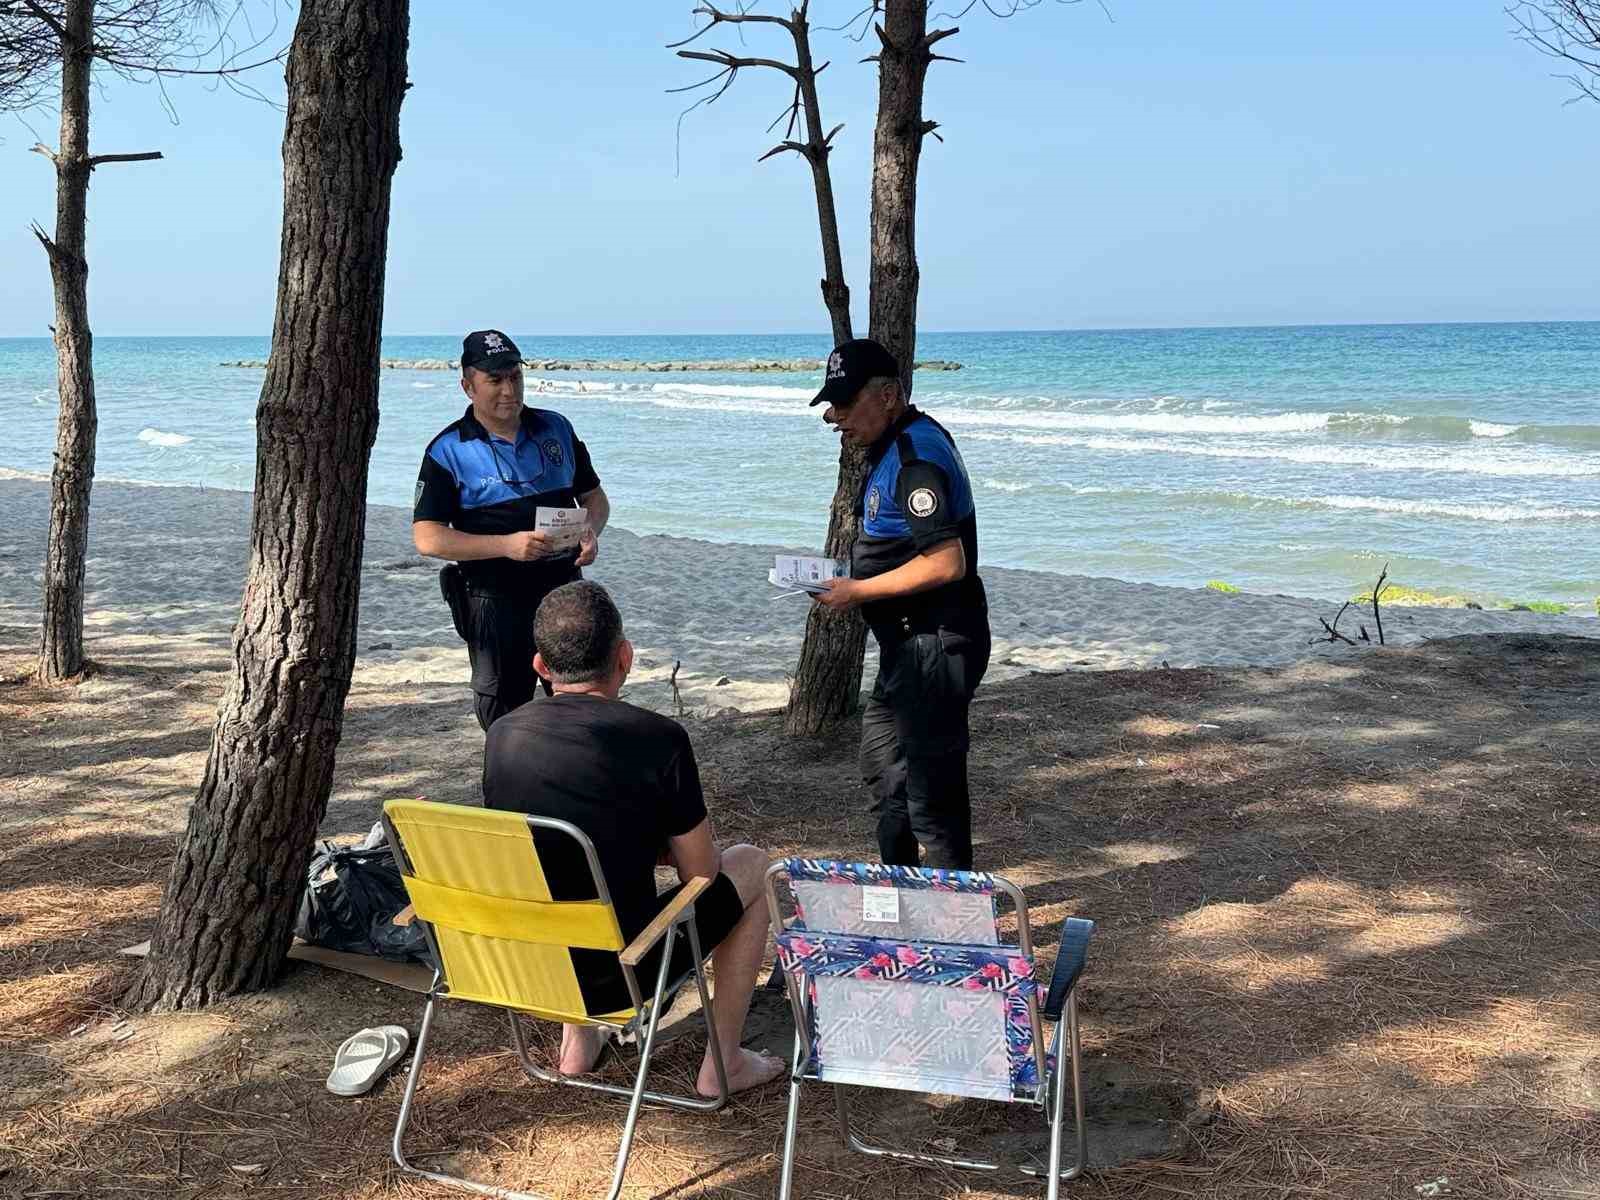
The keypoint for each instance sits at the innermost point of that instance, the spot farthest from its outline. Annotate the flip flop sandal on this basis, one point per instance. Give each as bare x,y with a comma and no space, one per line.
364,1057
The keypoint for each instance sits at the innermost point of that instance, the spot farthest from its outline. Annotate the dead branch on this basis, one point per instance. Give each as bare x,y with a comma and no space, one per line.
814,146
146,156
1377,588
677,696
1566,30
1333,630
145,41
733,63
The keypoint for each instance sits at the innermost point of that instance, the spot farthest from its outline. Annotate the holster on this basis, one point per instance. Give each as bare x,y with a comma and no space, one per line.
453,584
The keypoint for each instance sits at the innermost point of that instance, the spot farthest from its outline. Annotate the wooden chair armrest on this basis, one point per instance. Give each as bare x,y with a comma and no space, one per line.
680,909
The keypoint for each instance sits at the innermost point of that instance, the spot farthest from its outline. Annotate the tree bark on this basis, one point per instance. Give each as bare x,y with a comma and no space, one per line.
61,657
827,682
827,679
835,294
227,915
896,154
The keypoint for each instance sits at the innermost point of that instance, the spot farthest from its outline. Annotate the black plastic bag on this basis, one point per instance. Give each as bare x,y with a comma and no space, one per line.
352,894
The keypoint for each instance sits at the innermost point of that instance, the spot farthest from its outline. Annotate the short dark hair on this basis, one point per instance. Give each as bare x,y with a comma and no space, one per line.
577,631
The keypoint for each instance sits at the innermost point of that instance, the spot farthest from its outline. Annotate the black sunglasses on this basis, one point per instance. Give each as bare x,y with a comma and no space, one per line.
495,454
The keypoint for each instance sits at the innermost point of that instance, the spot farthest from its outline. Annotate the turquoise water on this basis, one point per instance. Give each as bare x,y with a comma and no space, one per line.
1292,460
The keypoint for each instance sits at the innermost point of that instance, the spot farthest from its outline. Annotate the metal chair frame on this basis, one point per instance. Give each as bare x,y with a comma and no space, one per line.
647,1015
1061,1005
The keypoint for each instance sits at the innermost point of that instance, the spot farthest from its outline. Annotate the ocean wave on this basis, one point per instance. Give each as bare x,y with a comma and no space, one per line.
1156,415
1498,512
1472,510
158,437
1489,459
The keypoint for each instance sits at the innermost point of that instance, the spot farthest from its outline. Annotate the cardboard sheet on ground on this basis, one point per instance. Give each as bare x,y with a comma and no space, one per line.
414,977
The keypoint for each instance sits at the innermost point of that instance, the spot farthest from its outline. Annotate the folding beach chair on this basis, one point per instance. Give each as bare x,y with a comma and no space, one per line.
899,980
475,879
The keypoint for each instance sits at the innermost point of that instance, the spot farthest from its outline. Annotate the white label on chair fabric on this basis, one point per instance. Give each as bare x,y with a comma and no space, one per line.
880,904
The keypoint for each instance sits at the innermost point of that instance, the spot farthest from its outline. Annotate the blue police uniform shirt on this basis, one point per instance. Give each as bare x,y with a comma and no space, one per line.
917,495
479,482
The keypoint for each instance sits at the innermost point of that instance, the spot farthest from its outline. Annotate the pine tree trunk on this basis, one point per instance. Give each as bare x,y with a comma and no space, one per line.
827,682
896,153
227,916
827,679
61,657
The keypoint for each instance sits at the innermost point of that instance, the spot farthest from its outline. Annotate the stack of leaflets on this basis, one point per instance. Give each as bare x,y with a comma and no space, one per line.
810,575
565,526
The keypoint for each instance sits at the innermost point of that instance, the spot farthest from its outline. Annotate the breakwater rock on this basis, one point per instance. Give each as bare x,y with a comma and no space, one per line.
756,365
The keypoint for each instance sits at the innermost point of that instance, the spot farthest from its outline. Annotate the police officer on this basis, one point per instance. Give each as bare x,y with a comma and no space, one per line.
914,573
483,478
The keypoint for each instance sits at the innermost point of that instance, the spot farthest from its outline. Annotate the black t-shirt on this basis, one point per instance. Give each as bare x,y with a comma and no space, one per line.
625,776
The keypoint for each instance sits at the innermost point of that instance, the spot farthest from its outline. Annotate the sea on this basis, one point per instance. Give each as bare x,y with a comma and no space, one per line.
1302,460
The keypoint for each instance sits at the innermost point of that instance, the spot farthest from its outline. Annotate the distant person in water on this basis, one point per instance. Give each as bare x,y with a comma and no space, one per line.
483,479
914,574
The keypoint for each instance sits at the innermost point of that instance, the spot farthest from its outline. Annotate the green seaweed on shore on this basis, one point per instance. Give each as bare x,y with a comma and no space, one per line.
1400,595
1216,585
1543,606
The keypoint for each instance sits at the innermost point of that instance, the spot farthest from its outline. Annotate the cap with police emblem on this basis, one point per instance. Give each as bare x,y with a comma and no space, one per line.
489,350
851,366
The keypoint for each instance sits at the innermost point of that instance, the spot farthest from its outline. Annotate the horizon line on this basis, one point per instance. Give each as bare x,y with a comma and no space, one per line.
823,334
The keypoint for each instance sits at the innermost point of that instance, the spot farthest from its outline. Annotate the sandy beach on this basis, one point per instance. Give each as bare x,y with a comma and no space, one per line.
166,565
1341,901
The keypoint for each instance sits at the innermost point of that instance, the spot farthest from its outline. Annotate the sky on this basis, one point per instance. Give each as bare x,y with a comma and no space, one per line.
1145,163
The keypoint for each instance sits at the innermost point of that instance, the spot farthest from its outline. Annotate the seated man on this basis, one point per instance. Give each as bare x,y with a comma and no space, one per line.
627,778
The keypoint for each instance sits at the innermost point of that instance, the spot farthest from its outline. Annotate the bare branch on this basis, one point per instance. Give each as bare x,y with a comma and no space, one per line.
1568,30
44,240
146,156
734,63
938,35
798,147
41,148
43,14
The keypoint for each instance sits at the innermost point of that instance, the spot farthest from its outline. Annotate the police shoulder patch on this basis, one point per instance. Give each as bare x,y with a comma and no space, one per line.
416,496
873,502
923,502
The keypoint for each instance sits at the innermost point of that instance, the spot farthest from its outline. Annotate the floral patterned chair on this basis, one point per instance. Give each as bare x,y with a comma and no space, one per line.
899,979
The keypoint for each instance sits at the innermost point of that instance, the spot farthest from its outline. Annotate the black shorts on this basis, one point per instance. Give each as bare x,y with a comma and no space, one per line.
716,912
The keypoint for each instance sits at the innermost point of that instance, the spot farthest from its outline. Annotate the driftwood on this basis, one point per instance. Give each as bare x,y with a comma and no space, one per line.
677,696
1332,631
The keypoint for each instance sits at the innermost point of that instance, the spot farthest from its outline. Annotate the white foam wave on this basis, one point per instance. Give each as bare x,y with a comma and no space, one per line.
1487,460
159,437
1491,429
1004,485
1475,511
424,386
1155,422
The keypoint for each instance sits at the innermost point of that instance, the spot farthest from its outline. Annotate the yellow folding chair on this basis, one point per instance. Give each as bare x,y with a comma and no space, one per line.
475,880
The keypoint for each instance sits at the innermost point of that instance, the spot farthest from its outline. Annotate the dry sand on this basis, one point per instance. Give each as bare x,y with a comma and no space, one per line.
168,564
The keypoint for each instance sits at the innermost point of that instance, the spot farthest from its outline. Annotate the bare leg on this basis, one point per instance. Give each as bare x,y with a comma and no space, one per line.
736,961
580,1049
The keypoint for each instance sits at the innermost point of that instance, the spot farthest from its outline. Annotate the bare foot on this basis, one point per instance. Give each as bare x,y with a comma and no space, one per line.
746,1069
580,1049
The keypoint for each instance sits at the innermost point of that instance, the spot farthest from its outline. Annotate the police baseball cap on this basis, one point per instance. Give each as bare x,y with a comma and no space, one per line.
489,350
850,366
